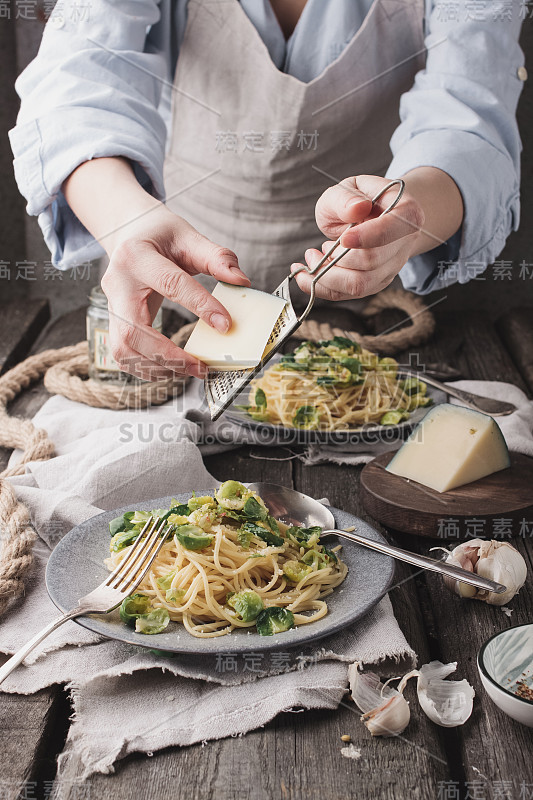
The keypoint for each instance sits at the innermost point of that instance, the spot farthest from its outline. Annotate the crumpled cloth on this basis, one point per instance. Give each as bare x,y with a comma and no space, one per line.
107,459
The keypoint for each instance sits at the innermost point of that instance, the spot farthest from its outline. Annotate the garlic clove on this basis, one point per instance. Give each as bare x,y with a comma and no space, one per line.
447,703
389,719
385,711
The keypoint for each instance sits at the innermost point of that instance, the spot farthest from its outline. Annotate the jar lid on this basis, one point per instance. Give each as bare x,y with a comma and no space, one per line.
97,297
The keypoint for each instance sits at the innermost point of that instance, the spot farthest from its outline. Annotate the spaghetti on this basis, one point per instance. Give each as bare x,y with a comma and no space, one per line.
228,564
334,385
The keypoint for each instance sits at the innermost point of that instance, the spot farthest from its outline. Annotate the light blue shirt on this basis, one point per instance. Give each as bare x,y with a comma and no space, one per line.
101,86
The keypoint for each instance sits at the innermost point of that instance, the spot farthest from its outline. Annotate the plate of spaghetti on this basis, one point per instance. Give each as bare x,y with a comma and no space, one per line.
333,390
229,578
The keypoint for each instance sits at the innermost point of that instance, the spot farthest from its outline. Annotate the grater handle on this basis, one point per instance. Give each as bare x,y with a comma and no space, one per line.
323,265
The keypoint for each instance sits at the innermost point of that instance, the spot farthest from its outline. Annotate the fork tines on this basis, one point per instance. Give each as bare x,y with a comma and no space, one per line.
131,570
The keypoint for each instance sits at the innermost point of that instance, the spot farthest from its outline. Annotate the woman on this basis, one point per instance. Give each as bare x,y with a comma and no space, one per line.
263,106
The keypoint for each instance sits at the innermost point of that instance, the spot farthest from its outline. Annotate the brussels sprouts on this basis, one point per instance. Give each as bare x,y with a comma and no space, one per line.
393,417
264,534
123,539
179,508
197,502
388,365
413,386
174,595
272,523
304,352
330,554
192,537
247,604
317,559
244,537
259,409
352,364
306,537
165,581
253,510
260,399
204,517
232,495
296,571
418,401
134,606
307,417
122,523
344,343
153,622
274,620
178,519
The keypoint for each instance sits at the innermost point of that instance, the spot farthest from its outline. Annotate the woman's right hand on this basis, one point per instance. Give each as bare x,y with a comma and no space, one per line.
153,254
157,259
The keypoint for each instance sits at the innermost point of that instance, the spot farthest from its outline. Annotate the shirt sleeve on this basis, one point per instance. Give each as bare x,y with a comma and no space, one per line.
459,116
92,91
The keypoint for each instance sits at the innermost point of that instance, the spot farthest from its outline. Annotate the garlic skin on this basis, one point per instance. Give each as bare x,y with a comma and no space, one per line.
447,703
498,561
385,711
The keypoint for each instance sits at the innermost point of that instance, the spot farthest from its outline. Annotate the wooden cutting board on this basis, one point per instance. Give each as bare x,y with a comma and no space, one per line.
496,507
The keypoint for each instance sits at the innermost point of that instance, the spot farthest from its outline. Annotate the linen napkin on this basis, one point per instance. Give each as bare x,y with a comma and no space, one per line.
106,459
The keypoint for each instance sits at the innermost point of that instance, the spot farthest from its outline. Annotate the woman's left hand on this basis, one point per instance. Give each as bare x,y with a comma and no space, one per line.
381,245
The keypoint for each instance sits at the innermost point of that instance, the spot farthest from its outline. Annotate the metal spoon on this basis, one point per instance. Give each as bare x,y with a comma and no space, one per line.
296,508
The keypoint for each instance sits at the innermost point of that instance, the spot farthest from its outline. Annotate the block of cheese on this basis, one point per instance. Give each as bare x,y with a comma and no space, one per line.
253,315
451,446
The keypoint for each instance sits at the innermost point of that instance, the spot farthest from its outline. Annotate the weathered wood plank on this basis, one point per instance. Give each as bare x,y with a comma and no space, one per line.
516,330
21,322
490,749
27,723
493,747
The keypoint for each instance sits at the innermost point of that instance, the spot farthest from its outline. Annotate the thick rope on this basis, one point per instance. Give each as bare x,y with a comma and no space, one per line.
63,371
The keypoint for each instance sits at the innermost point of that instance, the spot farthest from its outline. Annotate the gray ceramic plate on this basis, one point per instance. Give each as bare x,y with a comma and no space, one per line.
76,567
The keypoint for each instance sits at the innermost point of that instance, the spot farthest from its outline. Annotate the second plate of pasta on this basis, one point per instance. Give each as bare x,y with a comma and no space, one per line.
333,391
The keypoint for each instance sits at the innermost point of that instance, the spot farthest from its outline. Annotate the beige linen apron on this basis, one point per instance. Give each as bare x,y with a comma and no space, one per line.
253,148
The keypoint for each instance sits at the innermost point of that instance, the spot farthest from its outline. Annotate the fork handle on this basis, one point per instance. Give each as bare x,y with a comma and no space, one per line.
496,408
21,654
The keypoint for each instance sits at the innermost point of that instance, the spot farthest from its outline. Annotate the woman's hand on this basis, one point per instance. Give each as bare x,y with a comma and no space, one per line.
153,254
381,245
158,259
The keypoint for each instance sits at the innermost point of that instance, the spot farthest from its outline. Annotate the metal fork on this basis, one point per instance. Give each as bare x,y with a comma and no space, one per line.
119,584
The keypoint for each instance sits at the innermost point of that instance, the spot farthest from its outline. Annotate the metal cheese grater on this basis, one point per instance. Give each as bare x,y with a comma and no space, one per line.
222,387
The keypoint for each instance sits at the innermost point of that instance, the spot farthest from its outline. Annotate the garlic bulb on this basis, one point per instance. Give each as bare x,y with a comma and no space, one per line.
447,703
385,711
498,561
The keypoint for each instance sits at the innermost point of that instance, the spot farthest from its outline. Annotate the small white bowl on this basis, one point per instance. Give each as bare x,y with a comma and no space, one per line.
505,659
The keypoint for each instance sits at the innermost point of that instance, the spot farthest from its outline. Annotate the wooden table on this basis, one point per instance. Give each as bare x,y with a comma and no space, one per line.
298,755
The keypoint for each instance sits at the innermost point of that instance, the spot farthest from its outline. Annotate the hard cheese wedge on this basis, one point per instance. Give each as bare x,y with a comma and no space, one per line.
450,447
254,315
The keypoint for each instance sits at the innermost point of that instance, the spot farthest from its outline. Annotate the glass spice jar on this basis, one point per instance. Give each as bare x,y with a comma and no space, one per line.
102,365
